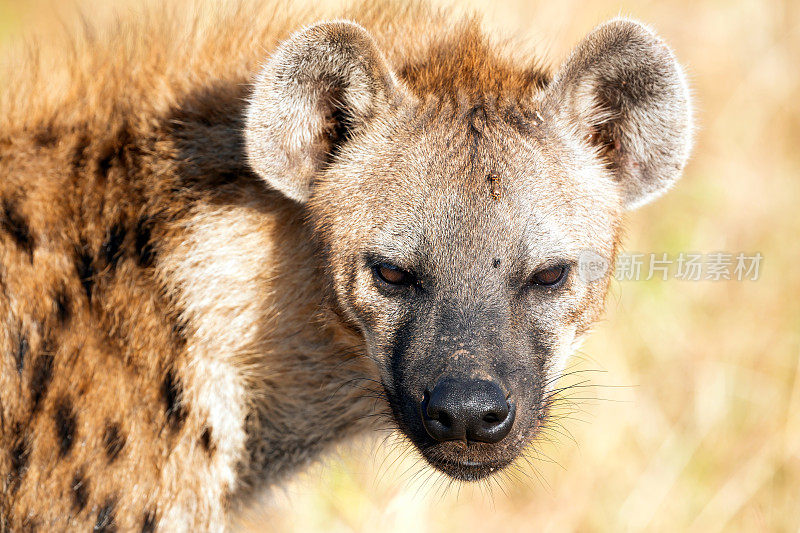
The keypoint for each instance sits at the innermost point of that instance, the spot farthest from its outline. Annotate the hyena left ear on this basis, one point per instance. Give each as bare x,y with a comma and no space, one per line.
318,88
624,91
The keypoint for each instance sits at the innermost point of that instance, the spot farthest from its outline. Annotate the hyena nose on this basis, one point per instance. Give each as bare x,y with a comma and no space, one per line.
473,410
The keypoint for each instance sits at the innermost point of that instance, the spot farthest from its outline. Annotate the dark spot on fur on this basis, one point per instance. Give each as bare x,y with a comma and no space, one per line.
80,492
79,153
149,522
206,442
227,177
105,518
179,331
496,262
62,308
172,392
111,247
83,266
145,253
13,224
65,422
476,117
21,351
113,151
45,138
30,525
20,453
517,120
105,161
40,377
113,441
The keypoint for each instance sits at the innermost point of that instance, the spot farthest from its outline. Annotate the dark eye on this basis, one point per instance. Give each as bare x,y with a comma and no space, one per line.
392,275
550,277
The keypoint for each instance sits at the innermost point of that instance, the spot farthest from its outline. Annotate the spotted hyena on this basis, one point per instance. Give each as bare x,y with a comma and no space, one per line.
230,236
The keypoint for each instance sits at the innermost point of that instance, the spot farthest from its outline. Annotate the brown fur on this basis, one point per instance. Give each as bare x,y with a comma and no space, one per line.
163,313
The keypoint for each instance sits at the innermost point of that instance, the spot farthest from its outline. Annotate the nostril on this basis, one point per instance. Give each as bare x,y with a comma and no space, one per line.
496,416
491,418
493,415
433,410
443,418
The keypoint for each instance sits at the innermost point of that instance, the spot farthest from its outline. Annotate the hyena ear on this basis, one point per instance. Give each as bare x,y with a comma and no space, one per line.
623,89
317,89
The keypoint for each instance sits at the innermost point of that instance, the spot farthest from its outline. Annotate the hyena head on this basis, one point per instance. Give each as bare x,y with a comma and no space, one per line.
453,223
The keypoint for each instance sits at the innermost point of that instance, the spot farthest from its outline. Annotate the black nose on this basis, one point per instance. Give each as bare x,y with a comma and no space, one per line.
475,410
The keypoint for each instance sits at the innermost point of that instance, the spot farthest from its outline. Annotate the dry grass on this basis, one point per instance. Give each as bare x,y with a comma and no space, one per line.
693,419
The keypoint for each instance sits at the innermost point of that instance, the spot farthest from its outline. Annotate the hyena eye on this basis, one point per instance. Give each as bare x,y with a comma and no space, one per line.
550,277
392,275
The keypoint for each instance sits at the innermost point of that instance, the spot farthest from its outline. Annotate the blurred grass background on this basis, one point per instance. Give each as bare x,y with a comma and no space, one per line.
693,420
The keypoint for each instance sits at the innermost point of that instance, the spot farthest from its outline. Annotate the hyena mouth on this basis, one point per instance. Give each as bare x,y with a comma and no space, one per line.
467,460
468,470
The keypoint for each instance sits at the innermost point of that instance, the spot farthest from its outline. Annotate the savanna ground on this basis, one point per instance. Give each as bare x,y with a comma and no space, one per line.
692,419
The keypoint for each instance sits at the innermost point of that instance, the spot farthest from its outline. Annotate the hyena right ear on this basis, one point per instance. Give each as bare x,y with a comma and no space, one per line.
316,89
623,90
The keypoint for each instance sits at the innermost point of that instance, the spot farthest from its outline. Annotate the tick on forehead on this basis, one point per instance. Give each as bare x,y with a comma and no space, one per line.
494,185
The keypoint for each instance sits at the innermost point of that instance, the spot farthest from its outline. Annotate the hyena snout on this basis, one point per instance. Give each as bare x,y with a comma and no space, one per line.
467,409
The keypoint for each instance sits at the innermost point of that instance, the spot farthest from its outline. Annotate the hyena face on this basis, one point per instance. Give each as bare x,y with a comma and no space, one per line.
460,265
453,224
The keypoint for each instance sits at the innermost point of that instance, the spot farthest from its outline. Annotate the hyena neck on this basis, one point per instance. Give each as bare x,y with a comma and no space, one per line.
288,378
